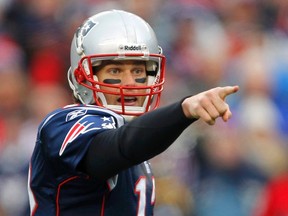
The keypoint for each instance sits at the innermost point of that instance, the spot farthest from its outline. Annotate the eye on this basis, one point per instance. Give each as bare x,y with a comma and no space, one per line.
114,71
139,72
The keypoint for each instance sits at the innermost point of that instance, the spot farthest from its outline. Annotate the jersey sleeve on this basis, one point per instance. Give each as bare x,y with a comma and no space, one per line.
67,134
135,142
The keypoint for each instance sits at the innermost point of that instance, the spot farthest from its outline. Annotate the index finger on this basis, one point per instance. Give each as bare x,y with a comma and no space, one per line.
227,90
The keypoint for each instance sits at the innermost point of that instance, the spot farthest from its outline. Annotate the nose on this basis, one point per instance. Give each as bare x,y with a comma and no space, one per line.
128,79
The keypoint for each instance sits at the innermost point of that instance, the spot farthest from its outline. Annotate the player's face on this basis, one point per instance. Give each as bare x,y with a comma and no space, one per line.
126,73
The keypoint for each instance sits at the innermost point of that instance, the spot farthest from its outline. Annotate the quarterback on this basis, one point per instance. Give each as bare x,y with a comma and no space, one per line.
91,157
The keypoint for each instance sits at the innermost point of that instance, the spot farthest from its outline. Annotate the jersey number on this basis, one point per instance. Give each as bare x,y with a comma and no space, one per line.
140,189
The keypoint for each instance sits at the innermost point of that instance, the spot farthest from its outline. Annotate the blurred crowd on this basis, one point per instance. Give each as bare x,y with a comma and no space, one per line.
237,168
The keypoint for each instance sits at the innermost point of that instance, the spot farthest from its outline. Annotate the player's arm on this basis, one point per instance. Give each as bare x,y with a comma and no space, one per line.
134,142
152,133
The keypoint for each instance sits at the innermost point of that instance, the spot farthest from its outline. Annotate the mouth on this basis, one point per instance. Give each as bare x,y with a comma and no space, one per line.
128,101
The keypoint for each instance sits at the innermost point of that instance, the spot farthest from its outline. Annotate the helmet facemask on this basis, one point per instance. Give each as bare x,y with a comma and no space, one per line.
151,91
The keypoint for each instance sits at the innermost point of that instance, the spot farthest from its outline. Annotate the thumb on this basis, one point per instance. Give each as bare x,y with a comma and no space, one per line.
227,115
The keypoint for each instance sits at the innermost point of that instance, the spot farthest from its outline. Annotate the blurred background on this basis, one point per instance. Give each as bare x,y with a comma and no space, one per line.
237,168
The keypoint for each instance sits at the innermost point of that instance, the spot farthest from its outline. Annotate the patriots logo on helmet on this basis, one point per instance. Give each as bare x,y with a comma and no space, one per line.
85,28
82,31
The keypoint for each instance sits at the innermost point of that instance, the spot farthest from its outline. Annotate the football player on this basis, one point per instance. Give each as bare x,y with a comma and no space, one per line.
90,157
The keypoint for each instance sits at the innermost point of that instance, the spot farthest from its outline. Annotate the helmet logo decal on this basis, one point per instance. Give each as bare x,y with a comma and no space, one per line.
133,47
81,32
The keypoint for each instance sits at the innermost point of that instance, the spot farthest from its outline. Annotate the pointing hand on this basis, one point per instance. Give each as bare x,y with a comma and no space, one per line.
209,105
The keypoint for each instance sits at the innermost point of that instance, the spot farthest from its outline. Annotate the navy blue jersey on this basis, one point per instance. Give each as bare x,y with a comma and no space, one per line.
57,187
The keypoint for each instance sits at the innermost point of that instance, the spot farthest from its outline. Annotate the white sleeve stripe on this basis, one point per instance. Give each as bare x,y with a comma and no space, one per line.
32,201
112,182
